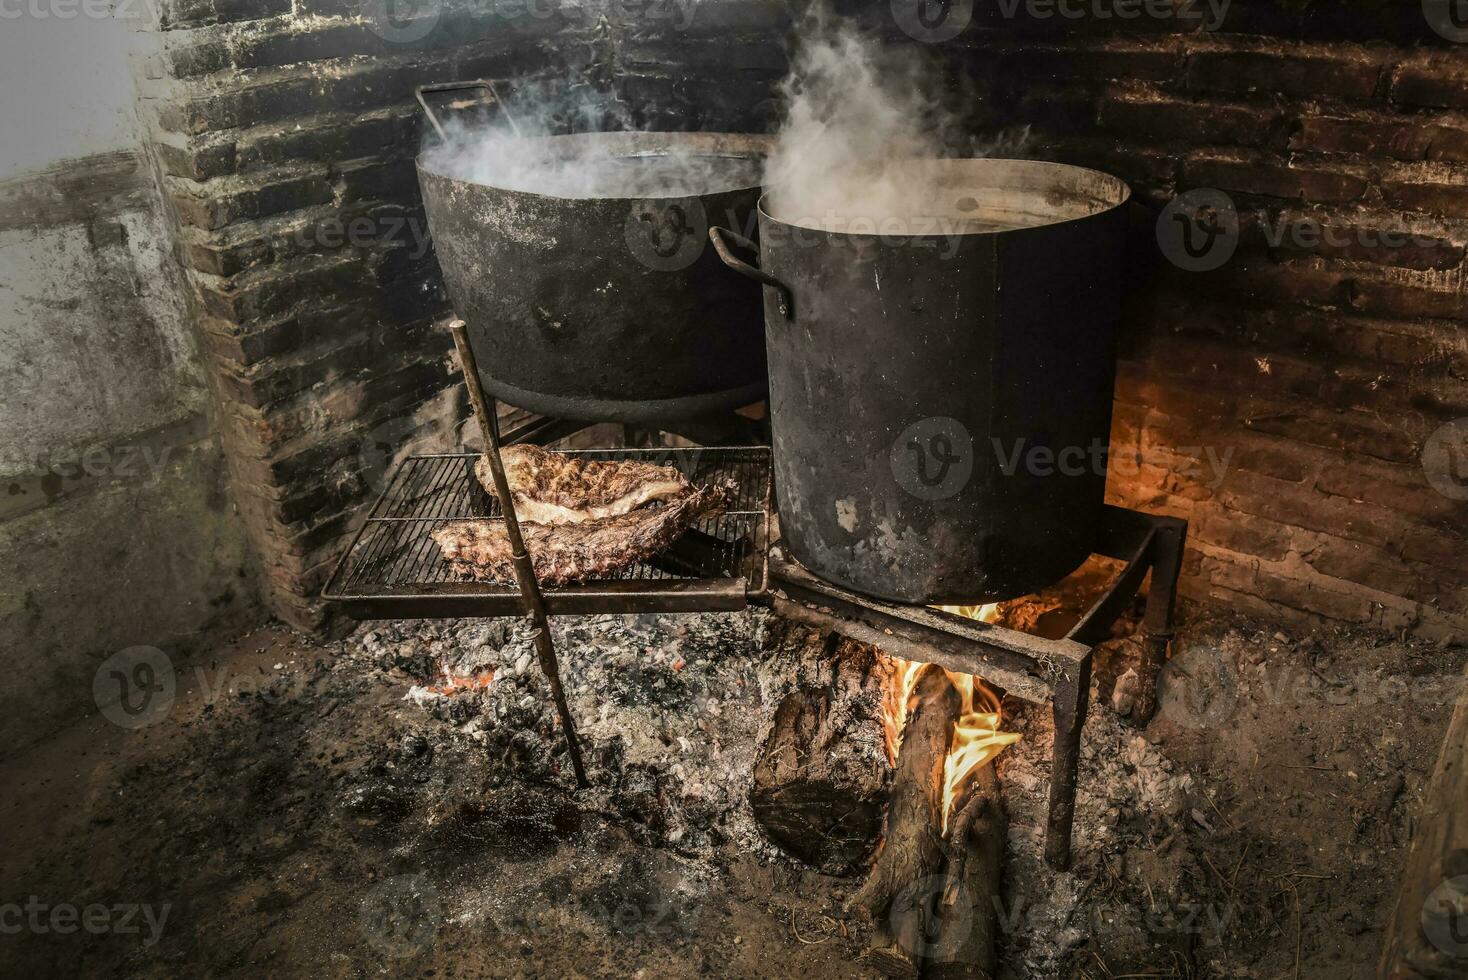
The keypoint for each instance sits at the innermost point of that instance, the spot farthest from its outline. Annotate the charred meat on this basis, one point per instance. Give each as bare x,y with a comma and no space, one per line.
555,488
562,554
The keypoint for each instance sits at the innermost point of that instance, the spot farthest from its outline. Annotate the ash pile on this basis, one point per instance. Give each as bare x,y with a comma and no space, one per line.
682,727
672,712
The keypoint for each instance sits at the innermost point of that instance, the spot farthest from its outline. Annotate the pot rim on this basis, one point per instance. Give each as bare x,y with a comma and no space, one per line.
748,146
1122,194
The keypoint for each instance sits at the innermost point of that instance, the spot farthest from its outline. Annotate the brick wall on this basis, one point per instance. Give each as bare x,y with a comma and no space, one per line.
286,133
1282,401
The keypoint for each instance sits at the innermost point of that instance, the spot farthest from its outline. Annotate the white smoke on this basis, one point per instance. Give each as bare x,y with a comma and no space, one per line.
863,124
545,140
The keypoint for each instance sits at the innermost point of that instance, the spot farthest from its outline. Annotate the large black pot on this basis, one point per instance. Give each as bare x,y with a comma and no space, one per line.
941,398
606,308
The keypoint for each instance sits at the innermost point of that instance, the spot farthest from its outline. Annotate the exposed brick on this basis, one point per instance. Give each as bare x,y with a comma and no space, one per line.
291,45
1356,432
1339,239
1137,165
1438,547
1379,342
284,94
1108,20
197,160
1365,565
1288,503
1288,464
179,14
1061,111
237,199
1195,360
197,58
1351,74
1167,120
329,137
374,177
1370,21
1244,533
278,289
1449,199
271,340
1404,300
1403,488
1289,589
1432,80
1120,61
1270,179
1397,139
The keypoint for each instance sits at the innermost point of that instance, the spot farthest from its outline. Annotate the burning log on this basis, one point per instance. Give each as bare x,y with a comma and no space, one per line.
899,892
933,888
931,893
969,917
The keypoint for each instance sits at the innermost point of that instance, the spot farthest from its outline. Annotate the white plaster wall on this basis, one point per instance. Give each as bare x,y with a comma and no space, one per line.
68,85
95,344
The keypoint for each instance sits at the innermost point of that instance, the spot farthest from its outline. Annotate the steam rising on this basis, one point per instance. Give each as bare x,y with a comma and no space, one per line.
864,126
561,141
858,151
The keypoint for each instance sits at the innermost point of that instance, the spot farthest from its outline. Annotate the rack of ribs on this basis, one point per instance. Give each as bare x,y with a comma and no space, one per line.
563,554
554,488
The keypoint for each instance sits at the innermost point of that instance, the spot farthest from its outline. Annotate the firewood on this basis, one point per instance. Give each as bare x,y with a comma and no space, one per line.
968,915
905,879
1427,935
816,792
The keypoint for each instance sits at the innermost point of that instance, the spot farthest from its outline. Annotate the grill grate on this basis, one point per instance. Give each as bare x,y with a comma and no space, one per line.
394,570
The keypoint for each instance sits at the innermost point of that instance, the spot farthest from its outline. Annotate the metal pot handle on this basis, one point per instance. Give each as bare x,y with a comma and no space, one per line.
716,235
483,83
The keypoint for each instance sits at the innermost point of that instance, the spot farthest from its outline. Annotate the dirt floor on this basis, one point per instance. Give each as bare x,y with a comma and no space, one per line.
317,810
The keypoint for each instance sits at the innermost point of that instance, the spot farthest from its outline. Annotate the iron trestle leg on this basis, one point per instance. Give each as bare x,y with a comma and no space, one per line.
1158,620
1071,698
530,595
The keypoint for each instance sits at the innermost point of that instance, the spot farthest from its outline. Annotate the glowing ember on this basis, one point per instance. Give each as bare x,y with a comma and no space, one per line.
459,683
976,738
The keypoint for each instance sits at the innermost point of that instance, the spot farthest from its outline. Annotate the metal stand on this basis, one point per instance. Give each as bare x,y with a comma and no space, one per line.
524,570
1030,667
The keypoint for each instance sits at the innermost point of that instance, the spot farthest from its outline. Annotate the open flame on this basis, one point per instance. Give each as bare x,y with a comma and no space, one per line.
976,738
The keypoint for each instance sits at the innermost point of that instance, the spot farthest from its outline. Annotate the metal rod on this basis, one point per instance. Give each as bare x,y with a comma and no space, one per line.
524,570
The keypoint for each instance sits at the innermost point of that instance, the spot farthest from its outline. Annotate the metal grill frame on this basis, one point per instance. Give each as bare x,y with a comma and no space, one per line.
1030,667
432,489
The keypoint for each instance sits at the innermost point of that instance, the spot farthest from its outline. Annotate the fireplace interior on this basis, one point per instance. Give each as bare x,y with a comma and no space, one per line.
736,488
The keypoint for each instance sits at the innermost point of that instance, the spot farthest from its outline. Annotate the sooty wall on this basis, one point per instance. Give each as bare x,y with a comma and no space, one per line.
287,140
1295,400
1299,391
